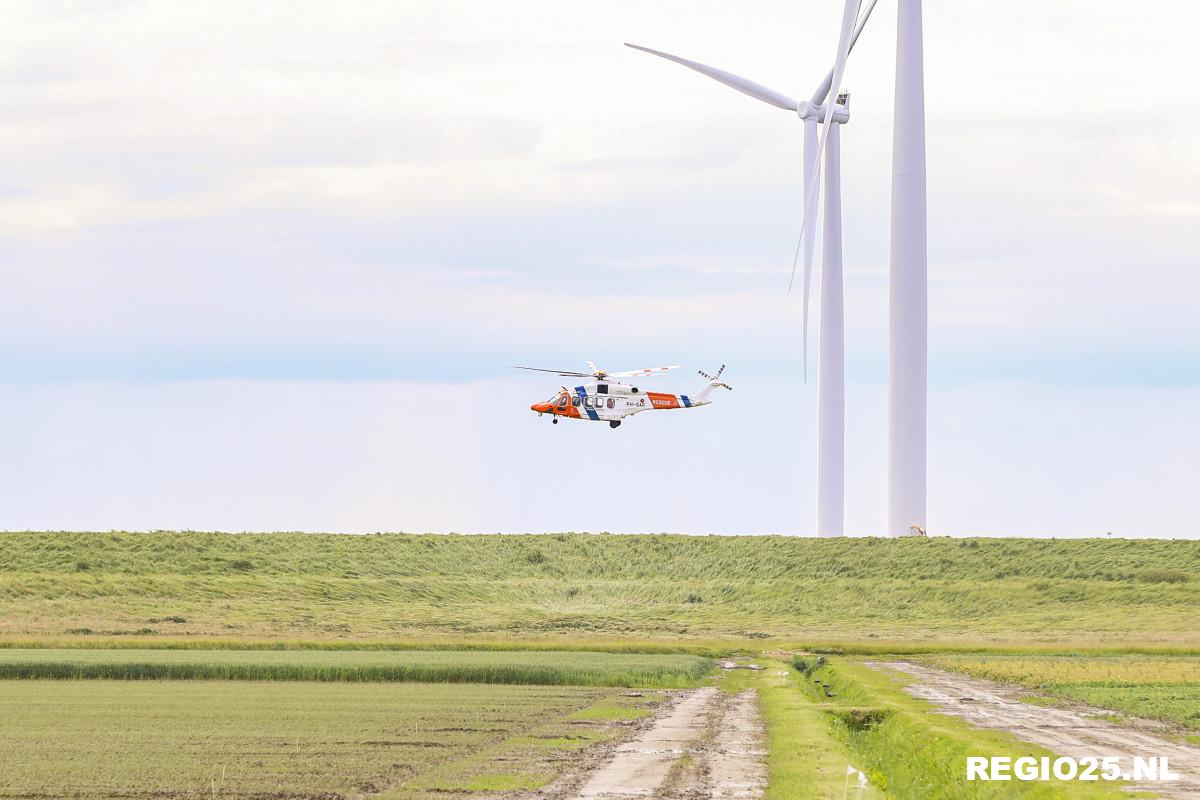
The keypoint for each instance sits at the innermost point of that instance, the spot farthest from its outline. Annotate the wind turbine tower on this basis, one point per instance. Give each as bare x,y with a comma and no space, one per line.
909,291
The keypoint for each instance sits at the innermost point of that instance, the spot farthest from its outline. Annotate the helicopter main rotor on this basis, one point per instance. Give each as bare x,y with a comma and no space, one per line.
600,374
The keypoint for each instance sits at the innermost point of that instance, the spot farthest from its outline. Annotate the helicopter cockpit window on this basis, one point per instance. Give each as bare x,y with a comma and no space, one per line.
561,399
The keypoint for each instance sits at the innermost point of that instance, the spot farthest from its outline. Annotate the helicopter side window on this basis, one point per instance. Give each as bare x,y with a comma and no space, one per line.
575,401
587,402
612,403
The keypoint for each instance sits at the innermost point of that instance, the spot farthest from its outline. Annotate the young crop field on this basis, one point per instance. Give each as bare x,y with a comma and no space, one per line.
1165,688
513,667
664,590
207,739
236,738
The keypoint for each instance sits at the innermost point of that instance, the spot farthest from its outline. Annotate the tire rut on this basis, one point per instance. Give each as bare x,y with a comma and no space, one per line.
707,744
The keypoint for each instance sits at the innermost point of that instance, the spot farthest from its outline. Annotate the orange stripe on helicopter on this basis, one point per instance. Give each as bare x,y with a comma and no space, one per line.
660,400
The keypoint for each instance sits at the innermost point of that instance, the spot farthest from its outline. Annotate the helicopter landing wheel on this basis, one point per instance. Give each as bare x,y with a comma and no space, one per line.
554,420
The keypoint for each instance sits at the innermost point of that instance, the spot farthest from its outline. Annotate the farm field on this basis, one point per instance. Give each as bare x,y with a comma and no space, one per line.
666,591
200,738
319,666
239,739
512,667
1165,688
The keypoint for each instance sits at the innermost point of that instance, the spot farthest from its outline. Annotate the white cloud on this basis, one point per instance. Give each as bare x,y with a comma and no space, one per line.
431,191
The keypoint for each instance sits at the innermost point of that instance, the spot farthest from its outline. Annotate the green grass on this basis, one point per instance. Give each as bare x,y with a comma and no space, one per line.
531,668
612,711
804,759
913,753
531,760
198,739
586,589
1164,688
1176,704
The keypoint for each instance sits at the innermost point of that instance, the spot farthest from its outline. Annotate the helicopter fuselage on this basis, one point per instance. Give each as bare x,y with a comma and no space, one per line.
611,401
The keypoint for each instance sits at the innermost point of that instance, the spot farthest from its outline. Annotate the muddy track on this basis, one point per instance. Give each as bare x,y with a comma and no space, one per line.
702,743
1075,730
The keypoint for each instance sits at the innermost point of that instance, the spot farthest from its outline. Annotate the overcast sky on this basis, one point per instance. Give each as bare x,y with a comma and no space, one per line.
265,266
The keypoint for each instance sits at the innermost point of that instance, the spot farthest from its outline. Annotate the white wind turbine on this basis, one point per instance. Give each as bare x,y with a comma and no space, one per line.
908,304
831,364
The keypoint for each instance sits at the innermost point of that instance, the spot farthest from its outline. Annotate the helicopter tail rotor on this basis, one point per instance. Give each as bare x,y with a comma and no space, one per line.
713,383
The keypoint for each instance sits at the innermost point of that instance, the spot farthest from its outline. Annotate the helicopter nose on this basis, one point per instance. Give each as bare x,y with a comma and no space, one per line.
541,408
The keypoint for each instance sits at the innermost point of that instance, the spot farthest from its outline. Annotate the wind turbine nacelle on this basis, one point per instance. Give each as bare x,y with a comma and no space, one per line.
841,112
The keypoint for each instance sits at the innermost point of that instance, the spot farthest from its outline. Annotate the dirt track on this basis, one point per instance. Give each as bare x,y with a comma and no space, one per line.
1074,731
702,744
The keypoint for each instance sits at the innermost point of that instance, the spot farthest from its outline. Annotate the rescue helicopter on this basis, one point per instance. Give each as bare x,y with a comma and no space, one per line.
610,397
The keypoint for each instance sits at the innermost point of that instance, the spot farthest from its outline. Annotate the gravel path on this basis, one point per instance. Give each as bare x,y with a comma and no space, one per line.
705,744
1074,731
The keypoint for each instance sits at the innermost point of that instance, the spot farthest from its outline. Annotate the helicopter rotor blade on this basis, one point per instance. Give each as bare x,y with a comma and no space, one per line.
641,373
566,373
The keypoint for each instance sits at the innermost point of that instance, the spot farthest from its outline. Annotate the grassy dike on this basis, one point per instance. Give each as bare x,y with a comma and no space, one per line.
658,590
911,752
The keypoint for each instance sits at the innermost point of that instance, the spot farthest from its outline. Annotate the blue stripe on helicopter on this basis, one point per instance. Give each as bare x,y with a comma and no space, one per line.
591,412
686,402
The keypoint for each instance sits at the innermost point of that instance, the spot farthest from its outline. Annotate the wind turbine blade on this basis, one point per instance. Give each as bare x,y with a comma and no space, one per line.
810,170
839,68
808,235
743,85
822,91
849,13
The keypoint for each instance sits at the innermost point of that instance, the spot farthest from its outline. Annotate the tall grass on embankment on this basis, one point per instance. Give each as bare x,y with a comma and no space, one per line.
526,668
754,589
